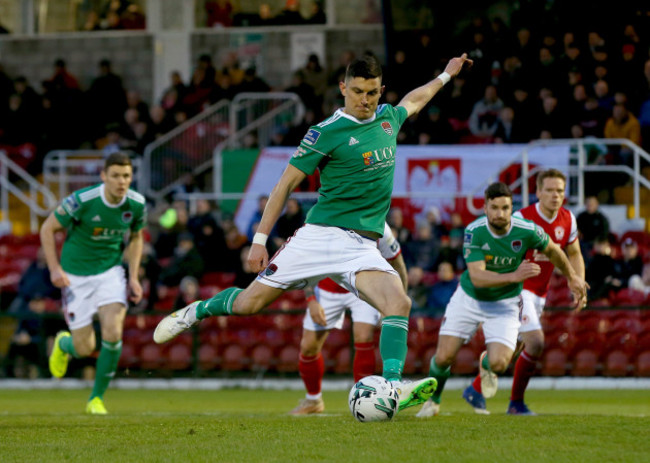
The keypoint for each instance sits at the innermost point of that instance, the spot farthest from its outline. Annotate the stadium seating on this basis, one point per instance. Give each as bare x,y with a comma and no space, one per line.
179,357
643,364
617,363
466,362
208,357
585,363
555,363
262,358
288,359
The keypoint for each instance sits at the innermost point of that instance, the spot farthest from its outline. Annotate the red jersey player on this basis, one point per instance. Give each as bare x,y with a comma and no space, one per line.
560,224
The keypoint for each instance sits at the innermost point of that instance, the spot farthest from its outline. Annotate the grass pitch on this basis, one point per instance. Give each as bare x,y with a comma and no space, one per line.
252,426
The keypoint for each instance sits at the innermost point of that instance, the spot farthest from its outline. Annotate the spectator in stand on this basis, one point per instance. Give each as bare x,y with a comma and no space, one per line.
290,14
252,82
603,96
509,130
451,249
134,101
546,71
417,290
592,118
317,14
292,219
623,124
433,129
34,281
442,290
133,18
24,353
6,87
630,263
188,292
551,118
483,119
601,272
61,79
243,273
160,122
423,250
208,235
172,223
316,78
641,282
592,224
300,87
186,262
106,92
235,242
219,13
174,94
396,222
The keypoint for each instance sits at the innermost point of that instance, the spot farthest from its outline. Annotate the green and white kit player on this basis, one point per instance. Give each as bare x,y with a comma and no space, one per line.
355,152
490,292
98,219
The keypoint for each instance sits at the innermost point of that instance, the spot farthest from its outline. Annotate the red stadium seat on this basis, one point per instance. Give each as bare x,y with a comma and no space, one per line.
426,355
629,298
129,357
555,363
343,363
616,364
585,363
643,364
262,358
179,357
288,359
151,357
221,279
234,358
412,362
208,358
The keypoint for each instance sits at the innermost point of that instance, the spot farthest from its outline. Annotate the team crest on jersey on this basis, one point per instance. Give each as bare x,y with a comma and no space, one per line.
559,233
368,158
387,127
516,245
70,204
127,216
311,137
270,270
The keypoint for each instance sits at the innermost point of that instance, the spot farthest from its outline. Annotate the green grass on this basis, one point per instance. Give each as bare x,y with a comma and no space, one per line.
252,426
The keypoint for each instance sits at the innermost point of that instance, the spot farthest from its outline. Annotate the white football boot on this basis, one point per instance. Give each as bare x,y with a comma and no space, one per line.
175,323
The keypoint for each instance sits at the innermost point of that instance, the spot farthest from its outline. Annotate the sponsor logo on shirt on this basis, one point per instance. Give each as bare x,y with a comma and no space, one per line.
540,232
270,270
70,204
97,218
499,261
516,245
312,137
299,152
353,141
387,127
368,158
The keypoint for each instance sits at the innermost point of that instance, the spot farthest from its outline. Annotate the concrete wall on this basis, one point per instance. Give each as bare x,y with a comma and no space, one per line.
130,53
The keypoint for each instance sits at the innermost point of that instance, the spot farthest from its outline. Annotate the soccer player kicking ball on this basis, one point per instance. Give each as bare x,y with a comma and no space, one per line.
326,310
98,219
489,293
560,225
354,150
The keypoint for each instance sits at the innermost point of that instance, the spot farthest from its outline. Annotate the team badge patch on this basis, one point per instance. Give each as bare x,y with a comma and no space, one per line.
387,127
127,216
467,239
70,204
311,137
559,233
270,270
516,245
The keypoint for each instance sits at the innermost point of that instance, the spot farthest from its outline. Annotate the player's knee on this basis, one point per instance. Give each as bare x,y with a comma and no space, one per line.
535,348
112,334
84,348
308,348
400,305
499,365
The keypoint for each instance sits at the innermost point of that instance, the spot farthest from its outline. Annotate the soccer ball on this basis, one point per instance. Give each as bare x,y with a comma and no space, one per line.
373,398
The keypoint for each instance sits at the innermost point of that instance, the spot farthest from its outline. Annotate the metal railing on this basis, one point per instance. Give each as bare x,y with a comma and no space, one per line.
576,172
186,149
65,171
39,199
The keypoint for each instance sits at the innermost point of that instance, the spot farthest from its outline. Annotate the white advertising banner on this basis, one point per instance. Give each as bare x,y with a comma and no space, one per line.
447,171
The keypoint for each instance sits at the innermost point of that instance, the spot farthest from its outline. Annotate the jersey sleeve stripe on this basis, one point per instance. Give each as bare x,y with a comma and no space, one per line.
314,149
90,194
135,196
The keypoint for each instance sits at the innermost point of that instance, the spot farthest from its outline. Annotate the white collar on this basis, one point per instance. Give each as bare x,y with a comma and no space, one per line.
102,194
354,119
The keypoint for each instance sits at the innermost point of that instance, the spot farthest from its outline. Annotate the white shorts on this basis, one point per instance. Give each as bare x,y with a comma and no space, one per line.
500,319
316,252
335,305
87,293
532,311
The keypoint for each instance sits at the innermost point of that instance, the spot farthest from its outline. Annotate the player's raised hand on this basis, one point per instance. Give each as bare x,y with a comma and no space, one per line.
258,257
455,65
59,278
526,270
579,288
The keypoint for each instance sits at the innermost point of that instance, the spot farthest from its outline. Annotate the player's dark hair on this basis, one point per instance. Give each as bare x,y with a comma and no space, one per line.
367,67
550,173
117,159
496,190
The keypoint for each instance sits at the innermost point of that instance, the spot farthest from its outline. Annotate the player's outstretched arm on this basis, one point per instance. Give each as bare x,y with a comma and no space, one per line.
577,283
417,99
483,278
258,257
48,229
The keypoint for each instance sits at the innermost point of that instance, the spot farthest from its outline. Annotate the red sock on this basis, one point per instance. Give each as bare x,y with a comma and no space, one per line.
364,360
524,370
311,371
477,384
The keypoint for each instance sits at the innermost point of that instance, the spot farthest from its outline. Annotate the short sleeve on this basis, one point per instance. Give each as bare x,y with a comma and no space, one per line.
472,251
388,246
141,221
69,210
314,146
539,238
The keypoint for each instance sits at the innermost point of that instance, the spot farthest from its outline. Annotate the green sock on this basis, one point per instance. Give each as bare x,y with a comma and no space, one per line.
392,346
67,346
485,363
441,375
109,355
220,304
